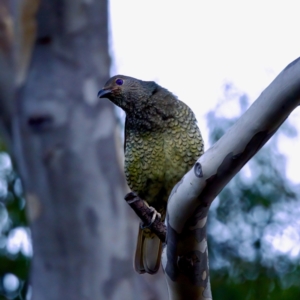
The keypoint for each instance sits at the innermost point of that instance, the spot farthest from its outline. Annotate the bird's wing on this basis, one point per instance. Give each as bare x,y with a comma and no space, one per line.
125,133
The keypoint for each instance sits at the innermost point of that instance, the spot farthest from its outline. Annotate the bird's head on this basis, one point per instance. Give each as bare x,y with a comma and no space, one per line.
127,92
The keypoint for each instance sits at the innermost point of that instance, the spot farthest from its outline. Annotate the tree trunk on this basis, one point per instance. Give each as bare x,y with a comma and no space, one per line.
65,142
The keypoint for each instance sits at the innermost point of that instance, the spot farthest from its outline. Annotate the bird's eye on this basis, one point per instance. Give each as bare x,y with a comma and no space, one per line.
119,81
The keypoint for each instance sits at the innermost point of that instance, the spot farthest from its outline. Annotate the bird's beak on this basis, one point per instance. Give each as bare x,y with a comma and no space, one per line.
104,93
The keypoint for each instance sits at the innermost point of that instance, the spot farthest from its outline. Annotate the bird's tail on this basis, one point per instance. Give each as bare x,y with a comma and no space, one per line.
148,252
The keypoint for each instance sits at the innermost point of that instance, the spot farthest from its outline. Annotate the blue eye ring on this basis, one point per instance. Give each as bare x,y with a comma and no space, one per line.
119,81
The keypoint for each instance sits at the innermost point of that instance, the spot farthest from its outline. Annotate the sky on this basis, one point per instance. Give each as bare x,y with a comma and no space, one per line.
193,48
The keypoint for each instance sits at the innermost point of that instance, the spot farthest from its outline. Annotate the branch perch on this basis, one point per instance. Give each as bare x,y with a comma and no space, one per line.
144,212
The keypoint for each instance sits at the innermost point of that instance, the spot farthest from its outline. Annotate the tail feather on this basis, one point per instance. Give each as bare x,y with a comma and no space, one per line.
148,253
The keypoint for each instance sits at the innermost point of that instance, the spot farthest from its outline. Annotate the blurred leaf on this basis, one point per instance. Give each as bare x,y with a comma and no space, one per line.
16,264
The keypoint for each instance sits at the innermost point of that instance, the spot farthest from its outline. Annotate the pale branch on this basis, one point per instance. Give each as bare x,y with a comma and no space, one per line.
144,212
191,198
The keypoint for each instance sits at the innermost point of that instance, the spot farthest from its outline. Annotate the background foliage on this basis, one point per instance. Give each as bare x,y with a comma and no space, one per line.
15,248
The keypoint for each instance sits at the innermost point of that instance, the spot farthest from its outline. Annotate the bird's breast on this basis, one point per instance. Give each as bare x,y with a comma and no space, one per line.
156,160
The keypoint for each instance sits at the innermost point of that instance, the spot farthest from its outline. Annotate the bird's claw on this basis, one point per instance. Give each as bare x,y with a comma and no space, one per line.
155,215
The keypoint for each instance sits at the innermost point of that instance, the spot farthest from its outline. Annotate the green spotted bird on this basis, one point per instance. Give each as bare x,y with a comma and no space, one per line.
162,142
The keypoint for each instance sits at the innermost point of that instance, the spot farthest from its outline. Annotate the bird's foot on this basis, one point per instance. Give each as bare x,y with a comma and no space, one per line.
155,215
131,198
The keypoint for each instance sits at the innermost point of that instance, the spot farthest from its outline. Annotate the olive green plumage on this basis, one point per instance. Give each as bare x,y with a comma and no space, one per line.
162,142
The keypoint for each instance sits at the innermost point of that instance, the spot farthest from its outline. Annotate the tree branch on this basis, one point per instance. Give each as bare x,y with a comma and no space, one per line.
144,212
185,259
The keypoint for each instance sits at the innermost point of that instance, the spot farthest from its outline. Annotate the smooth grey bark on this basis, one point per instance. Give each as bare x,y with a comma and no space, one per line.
185,258
64,140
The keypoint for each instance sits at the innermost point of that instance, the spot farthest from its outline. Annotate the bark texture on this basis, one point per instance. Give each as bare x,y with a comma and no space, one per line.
185,258
147,216
64,140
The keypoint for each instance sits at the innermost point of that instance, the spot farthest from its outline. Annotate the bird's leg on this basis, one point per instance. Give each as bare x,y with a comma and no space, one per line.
155,215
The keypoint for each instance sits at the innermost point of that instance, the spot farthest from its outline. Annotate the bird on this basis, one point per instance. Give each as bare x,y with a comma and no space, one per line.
162,142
